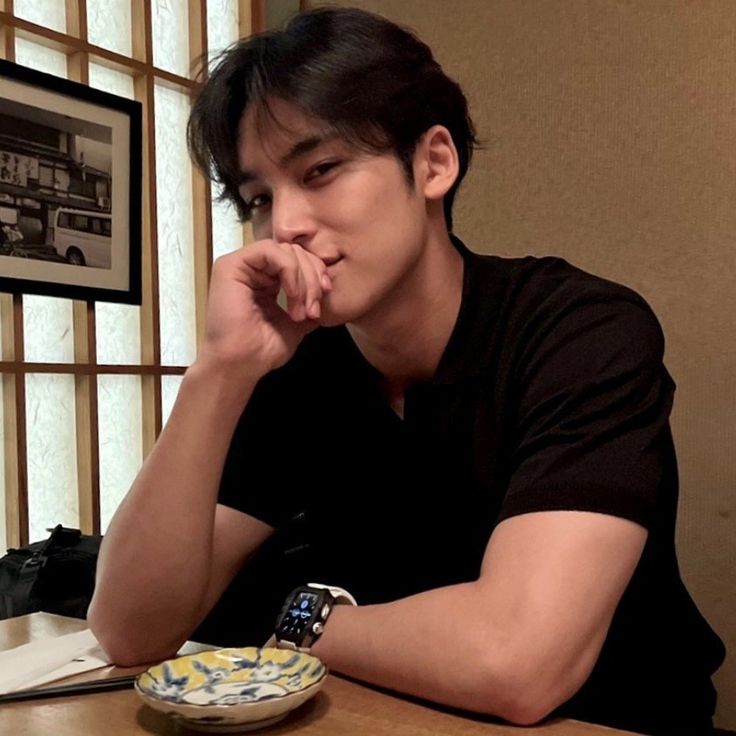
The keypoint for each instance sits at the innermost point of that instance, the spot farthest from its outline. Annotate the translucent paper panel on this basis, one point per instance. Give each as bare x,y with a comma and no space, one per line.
112,81
49,13
52,453
169,389
227,231
222,24
170,36
118,334
175,241
39,57
120,439
109,25
48,329
222,30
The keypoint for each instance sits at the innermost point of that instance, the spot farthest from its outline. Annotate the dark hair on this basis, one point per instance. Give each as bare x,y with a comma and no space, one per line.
371,81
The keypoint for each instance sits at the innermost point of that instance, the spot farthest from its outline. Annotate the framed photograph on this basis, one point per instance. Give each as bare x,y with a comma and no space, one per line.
70,189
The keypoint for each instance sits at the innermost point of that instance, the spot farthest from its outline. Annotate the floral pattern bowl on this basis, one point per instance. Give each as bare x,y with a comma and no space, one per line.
229,690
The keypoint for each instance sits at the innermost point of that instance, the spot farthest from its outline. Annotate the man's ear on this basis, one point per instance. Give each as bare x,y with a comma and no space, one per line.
436,164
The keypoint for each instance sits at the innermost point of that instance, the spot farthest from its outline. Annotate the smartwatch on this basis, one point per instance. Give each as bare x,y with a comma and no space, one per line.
302,618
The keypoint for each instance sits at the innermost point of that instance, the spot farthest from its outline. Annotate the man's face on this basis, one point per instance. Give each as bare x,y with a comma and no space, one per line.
353,210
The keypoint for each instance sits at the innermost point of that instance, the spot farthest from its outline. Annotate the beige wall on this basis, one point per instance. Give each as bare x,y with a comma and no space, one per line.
610,131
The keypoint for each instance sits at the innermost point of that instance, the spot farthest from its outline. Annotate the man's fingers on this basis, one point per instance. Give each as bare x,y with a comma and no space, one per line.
311,268
292,279
300,274
263,264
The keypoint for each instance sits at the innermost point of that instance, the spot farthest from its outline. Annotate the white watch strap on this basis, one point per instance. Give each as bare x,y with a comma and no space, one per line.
340,594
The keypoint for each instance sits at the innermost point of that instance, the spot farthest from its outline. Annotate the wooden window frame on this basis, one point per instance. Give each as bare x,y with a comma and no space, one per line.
85,369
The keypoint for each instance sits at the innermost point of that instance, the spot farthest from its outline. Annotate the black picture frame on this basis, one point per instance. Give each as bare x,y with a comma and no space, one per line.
70,189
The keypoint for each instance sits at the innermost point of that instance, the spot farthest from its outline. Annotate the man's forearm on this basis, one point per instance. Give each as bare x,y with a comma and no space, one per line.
156,558
441,645
518,642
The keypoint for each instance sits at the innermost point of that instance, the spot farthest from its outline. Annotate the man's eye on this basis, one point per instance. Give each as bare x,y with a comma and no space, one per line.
257,202
320,170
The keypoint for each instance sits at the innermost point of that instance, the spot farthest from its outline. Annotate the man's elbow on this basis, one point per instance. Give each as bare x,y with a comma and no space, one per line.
113,642
525,709
119,645
120,652
526,693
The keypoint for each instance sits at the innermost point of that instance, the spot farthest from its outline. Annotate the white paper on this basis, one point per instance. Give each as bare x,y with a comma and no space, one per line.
45,660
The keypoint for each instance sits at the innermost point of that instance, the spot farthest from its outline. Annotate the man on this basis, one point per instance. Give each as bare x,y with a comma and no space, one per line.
476,449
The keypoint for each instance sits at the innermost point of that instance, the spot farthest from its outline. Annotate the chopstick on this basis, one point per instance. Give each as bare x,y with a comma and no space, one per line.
91,686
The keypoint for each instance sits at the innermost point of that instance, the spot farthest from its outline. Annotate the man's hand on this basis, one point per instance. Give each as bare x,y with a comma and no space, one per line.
245,325
144,612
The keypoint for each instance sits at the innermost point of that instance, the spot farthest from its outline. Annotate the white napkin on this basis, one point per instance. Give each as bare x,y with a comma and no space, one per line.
48,659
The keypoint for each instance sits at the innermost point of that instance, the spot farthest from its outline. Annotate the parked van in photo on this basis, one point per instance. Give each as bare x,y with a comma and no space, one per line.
83,238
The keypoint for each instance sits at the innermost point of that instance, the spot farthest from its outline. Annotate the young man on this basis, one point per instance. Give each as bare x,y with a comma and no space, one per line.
477,449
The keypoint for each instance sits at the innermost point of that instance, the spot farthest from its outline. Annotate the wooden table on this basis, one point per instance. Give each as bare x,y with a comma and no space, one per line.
342,708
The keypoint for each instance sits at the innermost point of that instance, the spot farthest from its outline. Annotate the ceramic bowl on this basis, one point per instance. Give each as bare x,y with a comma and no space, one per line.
228,690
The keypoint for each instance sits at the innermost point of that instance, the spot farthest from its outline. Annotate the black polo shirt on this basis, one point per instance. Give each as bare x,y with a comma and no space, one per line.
550,394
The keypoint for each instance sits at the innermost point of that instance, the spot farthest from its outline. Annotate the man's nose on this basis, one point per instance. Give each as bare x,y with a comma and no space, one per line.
292,219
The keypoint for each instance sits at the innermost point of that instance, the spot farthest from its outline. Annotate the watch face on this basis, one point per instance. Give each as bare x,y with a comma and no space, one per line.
297,616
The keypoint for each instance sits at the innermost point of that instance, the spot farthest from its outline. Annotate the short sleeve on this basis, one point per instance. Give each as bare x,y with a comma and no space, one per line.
592,430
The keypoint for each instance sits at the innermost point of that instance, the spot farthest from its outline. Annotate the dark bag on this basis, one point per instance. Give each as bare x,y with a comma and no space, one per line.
56,575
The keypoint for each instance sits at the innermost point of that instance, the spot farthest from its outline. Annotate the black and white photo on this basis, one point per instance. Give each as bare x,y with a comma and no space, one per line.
70,189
